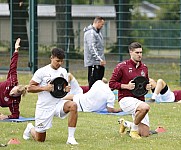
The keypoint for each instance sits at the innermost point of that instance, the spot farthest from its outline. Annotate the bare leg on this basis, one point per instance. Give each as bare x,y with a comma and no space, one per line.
141,111
73,115
71,107
144,130
40,137
159,86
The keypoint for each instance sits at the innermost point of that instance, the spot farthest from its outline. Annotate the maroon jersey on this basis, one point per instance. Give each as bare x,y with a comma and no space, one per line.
177,94
85,89
6,86
123,74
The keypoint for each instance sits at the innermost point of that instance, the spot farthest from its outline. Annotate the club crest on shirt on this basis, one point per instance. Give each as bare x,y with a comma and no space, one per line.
130,70
142,73
6,99
61,75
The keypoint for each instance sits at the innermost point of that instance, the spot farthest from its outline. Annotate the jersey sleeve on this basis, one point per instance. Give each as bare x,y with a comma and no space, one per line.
14,109
37,77
114,82
12,74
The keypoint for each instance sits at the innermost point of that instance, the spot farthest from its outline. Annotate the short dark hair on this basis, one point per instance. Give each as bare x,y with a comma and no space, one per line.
134,45
58,52
98,18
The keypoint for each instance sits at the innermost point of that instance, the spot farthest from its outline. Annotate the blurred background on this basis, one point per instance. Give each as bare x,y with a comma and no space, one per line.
43,24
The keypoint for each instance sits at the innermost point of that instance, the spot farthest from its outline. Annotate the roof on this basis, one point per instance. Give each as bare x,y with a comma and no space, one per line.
82,11
46,10
147,9
4,7
92,11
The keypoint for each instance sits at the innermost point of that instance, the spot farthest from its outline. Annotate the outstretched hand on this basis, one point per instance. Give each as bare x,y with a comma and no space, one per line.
17,44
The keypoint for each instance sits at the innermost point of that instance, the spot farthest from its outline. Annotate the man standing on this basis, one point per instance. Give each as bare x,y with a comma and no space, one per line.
94,57
121,79
48,106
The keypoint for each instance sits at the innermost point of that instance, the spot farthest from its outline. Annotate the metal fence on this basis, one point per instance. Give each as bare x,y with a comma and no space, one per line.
43,26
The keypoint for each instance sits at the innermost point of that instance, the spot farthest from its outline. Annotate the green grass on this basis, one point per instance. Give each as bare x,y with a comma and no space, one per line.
94,131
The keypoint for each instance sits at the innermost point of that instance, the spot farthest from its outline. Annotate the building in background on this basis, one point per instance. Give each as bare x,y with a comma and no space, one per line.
82,16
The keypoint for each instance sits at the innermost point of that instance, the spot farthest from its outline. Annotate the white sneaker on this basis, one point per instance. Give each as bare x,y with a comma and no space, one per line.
72,141
26,134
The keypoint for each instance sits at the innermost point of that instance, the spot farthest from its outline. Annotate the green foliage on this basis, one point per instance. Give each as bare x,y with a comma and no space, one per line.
161,35
169,10
161,32
3,1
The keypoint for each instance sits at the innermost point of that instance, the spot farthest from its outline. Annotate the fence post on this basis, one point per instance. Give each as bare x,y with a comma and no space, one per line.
33,36
11,27
67,20
120,18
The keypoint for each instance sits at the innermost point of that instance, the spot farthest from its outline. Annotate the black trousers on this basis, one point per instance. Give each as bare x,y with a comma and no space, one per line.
95,73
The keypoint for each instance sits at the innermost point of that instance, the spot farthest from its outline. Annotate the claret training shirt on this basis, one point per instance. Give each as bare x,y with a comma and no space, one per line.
123,73
5,87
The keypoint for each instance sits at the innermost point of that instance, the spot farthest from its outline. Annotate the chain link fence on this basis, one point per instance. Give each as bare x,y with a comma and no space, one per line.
60,24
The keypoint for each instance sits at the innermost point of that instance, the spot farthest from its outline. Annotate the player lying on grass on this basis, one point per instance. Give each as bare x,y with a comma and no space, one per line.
10,91
98,98
162,92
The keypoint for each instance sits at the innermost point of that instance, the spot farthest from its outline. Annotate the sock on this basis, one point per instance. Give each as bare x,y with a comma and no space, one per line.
31,126
154,96
72,81
134,127
71,131
128,124
75,88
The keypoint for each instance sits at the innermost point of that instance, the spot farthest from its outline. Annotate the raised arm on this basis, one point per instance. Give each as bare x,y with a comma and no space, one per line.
12,74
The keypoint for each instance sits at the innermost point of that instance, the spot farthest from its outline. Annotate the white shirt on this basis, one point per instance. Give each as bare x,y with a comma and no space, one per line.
166,97
43,76
97,98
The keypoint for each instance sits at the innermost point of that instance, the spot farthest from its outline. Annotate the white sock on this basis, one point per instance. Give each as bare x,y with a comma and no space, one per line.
154,96
71,131
75,88
128,124
31,126
134,127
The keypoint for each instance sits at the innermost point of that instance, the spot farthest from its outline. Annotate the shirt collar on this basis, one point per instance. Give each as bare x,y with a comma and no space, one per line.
134,64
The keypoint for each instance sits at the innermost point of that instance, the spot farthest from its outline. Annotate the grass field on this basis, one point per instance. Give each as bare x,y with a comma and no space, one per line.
95,131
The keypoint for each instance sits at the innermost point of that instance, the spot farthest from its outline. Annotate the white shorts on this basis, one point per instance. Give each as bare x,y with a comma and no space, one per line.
129,105
165,98
43,118
76,99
